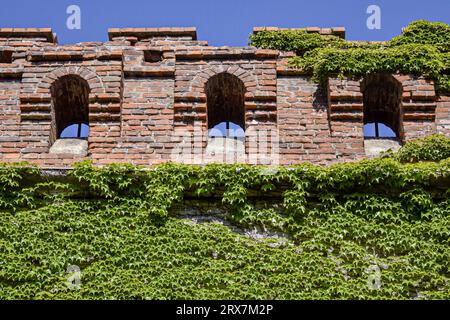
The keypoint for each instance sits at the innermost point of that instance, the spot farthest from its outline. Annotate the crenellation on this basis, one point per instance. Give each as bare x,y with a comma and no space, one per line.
146,96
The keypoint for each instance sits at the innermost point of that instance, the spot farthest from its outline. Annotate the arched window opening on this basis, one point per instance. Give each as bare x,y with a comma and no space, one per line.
226,117
70,110
382,99
225,98
382,95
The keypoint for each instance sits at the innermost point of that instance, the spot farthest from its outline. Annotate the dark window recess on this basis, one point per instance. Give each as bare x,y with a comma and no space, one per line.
153,56
225,103
6,56
382,95
70,108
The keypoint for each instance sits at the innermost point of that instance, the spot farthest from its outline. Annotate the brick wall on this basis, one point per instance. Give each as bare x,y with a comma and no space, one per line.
148,104
303,121
443,115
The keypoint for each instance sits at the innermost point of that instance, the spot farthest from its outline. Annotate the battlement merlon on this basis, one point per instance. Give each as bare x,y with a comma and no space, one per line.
141,34
148,33
334,31
33,34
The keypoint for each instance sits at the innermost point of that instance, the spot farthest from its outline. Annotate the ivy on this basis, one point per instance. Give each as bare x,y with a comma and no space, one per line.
422,49
299,41
424,32
432,148
119,225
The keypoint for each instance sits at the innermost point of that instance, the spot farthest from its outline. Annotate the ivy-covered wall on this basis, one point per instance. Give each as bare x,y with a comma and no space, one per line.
376,229
322,105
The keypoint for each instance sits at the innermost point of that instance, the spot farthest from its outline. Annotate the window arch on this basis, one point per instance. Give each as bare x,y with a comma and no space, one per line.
225,104
70,115
382,95
70,108
225,94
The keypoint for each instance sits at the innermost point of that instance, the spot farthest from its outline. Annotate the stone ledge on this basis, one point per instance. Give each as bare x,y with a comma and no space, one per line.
225,53
374,147
77,147
45,33
146,33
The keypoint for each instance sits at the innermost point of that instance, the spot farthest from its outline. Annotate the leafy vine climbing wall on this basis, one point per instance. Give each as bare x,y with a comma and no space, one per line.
375,229
422,49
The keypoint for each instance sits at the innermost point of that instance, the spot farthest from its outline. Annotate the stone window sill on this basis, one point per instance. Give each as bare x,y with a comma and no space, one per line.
77,147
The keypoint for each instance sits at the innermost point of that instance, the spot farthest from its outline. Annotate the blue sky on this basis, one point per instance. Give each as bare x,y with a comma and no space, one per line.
225,22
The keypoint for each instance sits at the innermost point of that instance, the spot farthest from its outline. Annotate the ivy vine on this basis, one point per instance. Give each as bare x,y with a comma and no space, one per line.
422,49
337,223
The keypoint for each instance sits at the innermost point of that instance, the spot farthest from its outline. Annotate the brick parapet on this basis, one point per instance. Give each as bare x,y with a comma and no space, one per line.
147,92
